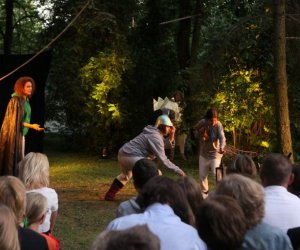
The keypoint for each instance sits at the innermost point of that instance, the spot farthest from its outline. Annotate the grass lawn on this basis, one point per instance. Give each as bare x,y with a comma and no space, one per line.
81,181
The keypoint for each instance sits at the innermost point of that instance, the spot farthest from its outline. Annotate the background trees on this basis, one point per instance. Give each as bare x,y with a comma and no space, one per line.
118,55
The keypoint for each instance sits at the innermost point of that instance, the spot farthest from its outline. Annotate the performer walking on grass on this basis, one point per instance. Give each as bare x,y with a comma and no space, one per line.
212,146
148,144
15,126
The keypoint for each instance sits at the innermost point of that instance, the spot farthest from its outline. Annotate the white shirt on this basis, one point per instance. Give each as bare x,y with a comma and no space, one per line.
52,200
162,221
282,208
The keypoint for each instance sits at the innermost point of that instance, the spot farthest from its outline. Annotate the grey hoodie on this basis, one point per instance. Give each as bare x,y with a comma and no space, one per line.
148,144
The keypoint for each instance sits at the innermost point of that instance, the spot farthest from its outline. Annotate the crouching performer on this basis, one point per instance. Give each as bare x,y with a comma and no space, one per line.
149,144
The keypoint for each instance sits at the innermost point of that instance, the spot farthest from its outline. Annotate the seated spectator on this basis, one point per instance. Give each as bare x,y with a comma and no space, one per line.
13,195
34,172
166,214
221,223
192,191
250,196
244,165
36,211
282,208
134,238
294,187
142,171
8,229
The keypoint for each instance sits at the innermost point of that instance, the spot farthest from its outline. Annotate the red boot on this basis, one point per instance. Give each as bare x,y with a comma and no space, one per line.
114,188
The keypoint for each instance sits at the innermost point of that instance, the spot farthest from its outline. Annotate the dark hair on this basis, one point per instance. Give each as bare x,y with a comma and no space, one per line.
135,238
294,187
192,191
211,113
275,170
244,165
162,128
161,189
221,223
142,171
20,83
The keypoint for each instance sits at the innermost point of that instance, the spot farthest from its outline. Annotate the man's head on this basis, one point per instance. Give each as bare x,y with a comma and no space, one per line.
142,171
276,170
212,116
164,124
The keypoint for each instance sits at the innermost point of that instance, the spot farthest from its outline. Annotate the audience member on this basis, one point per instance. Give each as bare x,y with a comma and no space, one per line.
134,238
244,165
192,191
9,239
294,187
282,208
142,171
13,195
294,235
221,223
34,172
36,211
250,196
149,144
166,214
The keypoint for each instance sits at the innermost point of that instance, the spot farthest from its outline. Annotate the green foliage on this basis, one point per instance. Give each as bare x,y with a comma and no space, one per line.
102,77
27,25
244,102
234,71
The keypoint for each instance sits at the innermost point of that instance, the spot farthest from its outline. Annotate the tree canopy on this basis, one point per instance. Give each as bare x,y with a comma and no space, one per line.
119,55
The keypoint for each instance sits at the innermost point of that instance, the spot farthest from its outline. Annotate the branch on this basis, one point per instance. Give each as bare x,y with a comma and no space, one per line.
292,38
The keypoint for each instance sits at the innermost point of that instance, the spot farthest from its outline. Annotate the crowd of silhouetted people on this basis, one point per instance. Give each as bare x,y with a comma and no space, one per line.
248,209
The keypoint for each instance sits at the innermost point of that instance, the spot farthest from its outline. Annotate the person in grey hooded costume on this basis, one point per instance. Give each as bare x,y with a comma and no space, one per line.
149,144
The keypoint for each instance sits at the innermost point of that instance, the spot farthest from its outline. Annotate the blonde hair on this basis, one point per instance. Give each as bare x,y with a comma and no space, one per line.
9,239
34,169
248,193
36,207
13,195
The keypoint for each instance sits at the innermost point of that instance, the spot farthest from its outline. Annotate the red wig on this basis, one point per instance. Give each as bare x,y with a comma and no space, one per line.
20,83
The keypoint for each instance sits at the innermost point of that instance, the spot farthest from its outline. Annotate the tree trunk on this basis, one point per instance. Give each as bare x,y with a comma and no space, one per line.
196,33
183,36
282,108
9,6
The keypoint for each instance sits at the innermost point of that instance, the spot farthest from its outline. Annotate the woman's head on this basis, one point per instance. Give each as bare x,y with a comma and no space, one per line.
161,189
34,170
9,239
25,86
244,165
13,195
248,193
192,191
36,208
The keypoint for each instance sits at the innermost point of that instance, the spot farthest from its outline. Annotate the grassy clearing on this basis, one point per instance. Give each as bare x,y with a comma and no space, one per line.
81,181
